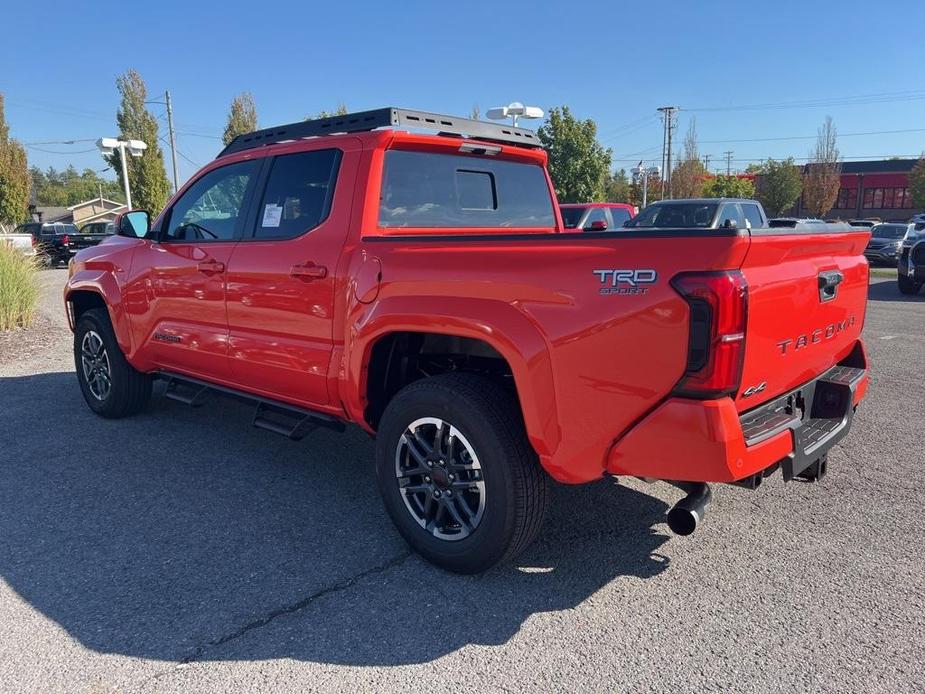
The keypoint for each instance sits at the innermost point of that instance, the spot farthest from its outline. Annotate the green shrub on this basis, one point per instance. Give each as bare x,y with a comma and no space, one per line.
19,291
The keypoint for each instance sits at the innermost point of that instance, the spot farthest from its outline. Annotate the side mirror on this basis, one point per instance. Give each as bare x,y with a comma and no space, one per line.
598,225
134,224
628,223
730,224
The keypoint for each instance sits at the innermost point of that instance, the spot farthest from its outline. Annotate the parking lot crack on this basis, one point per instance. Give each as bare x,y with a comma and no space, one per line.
291,608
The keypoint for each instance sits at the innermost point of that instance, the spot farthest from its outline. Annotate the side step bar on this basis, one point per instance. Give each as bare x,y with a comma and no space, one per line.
278,417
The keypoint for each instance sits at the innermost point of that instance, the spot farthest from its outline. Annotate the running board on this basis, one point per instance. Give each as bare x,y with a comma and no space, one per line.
280,418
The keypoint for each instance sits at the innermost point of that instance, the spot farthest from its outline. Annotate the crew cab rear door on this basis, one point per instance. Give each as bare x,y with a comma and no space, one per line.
807,295
282,279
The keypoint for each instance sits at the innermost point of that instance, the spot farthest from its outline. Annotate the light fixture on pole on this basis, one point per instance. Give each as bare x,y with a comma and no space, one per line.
108,145
514,111
644,172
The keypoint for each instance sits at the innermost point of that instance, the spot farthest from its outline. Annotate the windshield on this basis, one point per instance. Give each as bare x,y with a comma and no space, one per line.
888,231
571,216
676,214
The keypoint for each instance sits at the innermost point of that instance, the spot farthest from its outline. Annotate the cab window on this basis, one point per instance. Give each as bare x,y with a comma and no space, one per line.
212,208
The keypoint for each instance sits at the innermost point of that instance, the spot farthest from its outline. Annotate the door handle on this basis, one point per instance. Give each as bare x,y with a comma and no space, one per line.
208,266
308,272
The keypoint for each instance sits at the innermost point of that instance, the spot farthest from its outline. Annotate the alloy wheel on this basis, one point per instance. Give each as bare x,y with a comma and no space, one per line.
440,478
95,362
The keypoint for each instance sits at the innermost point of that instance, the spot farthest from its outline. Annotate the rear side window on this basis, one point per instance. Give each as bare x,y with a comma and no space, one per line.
731,212
571,216
424,190
297,197
752,215
619,215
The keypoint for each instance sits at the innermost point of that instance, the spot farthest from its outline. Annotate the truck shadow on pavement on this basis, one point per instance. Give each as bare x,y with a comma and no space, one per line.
184,534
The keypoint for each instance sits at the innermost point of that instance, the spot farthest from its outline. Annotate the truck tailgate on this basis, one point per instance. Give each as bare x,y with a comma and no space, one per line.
807,295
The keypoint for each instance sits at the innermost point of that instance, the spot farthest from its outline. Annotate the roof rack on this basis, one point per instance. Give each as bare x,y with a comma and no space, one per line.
382,118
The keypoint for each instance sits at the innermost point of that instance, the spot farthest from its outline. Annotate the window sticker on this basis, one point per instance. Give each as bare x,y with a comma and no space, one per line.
272,214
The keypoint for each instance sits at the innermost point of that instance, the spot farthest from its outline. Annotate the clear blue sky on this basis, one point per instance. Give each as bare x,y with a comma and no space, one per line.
611,61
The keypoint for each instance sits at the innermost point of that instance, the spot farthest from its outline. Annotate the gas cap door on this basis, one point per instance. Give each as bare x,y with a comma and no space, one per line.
366,284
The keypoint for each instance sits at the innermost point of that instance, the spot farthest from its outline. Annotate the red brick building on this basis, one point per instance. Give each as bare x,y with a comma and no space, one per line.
873,189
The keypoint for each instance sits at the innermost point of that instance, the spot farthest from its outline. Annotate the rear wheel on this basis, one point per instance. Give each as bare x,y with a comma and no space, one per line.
457,474
110,385
908,286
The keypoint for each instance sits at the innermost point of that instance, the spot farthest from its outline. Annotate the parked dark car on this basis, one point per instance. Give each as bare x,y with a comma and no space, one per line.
885,242
52,241
91,234
911,262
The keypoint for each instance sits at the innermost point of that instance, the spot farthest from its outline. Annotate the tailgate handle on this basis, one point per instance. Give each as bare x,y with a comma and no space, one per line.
828,284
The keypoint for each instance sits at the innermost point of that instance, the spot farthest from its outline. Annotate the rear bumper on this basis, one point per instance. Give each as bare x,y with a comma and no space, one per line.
709,441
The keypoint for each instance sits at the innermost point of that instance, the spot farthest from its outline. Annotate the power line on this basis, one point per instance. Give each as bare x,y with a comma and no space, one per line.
55,151
813,137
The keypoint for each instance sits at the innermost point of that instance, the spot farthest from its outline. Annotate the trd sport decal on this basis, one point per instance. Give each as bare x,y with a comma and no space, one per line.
625,281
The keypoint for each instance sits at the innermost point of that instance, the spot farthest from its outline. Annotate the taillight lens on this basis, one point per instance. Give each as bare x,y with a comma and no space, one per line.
34,242
718,304
66,240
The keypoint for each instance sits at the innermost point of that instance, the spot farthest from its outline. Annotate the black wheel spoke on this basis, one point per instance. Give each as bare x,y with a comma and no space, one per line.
451,507
418,453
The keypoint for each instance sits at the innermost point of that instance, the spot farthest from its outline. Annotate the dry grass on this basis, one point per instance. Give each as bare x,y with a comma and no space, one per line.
19,290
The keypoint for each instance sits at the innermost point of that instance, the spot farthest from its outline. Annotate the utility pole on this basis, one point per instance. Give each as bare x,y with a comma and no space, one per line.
728,154
706,162
668,114
171,136
173,142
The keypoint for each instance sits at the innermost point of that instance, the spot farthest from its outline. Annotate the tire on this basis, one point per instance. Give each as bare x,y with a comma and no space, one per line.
501,492
907,286
127,390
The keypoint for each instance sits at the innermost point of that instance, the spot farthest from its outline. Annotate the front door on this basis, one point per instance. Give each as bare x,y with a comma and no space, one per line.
281,277
178,304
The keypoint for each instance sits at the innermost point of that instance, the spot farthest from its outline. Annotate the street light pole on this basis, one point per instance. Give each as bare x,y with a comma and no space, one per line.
108,145
128,193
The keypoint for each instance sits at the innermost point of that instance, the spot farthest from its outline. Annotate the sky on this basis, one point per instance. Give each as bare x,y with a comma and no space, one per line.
615,62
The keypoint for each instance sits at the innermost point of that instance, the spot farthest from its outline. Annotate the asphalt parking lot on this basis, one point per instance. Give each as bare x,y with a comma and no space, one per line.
184,551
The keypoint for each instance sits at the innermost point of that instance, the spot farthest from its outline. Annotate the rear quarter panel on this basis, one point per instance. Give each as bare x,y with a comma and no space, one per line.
587,364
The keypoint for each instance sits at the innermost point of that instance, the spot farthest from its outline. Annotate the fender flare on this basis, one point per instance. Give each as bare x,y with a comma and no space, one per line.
105,285
509,331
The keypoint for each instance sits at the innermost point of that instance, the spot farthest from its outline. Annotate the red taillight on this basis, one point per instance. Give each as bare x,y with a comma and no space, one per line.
34,242
718,304
66,240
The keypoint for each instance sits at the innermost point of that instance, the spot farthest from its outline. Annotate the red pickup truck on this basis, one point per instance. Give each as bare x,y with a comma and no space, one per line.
422,286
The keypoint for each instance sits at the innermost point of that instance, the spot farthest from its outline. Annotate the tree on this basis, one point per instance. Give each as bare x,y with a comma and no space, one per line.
578,164
341,110
688,176
917,183
242,117
653,190
68,187
618,188
147,176
14,176
822,176
728,187
779,185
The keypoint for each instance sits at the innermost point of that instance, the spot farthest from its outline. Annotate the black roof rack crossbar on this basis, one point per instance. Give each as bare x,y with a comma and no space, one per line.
383,118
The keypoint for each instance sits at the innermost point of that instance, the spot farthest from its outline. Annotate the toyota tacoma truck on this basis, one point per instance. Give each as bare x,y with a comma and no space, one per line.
422,286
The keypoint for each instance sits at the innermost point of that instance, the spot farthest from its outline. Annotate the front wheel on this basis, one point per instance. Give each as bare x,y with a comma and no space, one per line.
457,474
908,286
110,385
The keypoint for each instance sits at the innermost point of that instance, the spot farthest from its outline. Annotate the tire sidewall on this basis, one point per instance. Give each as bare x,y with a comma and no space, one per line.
89,321
490,539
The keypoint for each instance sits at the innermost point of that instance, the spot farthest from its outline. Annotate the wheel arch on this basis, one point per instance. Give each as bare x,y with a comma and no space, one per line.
98,290
482,327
